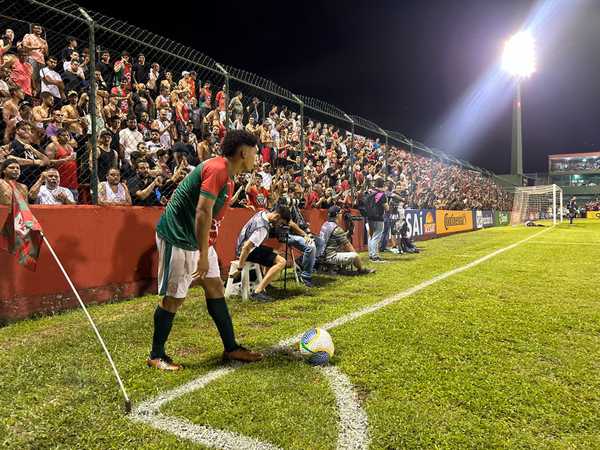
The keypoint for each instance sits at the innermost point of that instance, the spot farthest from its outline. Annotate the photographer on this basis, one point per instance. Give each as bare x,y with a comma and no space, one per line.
338,249
394,214
249,247
300,237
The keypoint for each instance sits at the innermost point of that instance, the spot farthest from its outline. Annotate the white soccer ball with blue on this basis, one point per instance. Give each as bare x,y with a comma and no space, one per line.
316,346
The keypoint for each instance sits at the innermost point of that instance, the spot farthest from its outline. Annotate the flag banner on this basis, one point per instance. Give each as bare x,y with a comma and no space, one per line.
21,234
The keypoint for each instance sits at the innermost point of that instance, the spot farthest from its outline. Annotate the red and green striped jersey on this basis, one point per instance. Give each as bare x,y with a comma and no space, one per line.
177,225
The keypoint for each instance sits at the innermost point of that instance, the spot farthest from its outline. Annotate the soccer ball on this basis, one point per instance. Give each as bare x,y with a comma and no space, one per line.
316,346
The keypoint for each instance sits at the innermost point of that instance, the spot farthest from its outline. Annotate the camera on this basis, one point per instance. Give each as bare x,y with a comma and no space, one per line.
282,233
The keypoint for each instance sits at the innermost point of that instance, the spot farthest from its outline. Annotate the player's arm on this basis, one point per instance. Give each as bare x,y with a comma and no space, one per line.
203,224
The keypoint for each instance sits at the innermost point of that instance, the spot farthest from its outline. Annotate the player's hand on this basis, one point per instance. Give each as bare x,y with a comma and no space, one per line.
202,267
308,239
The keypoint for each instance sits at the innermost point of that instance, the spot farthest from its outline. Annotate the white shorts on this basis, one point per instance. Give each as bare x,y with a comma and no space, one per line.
176,266
343,258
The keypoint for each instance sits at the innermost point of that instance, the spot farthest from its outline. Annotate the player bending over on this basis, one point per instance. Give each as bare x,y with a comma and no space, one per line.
186,235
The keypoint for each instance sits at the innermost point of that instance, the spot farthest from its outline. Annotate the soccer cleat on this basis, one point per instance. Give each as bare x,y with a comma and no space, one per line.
165,363
366,271
242,354
261,297
307,282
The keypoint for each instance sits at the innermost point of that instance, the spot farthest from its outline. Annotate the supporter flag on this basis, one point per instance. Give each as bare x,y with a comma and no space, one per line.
22,233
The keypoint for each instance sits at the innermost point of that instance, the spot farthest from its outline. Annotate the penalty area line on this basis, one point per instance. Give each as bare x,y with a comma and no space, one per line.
353,426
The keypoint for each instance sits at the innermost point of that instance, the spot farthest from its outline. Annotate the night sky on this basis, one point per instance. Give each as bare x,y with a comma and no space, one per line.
407,64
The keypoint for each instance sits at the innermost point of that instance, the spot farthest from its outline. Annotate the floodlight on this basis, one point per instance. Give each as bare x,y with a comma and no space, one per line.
519,55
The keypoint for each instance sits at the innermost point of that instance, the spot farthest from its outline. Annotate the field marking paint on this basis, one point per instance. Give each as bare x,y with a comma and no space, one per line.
353,424
564,243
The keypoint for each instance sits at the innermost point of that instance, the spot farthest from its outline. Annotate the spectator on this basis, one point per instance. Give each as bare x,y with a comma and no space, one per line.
6,42
267,176
66,53
105,68
376,207
123,96
129,138
107,157
165,128
10,171
143,187
257,195
37,47
72,116
250,247
47,190
51,80
41,114
112,192
63,158
21,70
123,69
140,70
29,158
73,77
153,79
10,111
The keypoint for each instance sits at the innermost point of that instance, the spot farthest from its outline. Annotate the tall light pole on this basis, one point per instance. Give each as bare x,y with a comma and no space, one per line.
519,61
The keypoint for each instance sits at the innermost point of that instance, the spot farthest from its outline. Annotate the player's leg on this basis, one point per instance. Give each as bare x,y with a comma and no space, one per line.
175,267
217,308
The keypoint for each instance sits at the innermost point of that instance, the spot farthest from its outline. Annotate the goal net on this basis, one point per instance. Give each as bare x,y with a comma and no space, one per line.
537,203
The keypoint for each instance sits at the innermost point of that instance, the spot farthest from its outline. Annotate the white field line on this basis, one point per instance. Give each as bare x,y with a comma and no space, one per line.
353,427
546,242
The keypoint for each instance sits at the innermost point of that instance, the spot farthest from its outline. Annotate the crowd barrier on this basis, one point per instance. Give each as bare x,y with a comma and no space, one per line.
110,252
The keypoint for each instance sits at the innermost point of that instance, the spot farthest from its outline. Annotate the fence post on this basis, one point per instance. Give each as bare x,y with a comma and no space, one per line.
351,153
226,75
302,149
94,135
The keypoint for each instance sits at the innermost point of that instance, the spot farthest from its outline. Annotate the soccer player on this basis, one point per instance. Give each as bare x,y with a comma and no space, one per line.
185,237
572,207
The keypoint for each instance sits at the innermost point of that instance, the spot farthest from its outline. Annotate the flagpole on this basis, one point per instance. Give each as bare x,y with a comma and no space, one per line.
110,360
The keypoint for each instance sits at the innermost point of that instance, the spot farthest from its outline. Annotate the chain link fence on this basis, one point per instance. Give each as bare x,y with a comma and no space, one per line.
183,102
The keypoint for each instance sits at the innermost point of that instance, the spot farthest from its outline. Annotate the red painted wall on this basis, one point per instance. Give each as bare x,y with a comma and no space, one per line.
109,252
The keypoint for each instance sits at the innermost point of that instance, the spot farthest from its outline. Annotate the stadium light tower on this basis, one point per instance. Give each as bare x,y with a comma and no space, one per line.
519,61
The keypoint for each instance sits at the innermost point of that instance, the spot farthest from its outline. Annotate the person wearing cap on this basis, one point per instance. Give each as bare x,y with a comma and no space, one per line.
184,84
338,249
267,176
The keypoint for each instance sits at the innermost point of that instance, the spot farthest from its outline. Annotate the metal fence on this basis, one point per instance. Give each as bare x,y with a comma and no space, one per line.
97,33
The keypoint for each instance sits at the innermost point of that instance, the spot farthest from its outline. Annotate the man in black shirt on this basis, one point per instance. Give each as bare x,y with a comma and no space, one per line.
71,78
142,186
140,70
30,159
106,69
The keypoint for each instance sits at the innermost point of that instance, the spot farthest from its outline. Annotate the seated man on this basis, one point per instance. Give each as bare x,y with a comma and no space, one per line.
47,190
302,239
249,247
338,249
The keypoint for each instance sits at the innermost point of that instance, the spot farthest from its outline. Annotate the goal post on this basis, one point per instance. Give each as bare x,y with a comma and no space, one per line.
537,203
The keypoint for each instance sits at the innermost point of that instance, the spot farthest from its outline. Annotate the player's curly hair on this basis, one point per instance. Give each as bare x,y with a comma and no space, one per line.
235,139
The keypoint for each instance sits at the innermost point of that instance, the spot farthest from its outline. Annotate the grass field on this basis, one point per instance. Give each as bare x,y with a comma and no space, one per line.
505,354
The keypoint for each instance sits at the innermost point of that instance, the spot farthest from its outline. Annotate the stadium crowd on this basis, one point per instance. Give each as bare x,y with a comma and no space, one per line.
155,126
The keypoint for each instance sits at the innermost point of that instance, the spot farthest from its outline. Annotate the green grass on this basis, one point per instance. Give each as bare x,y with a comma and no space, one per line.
504,355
